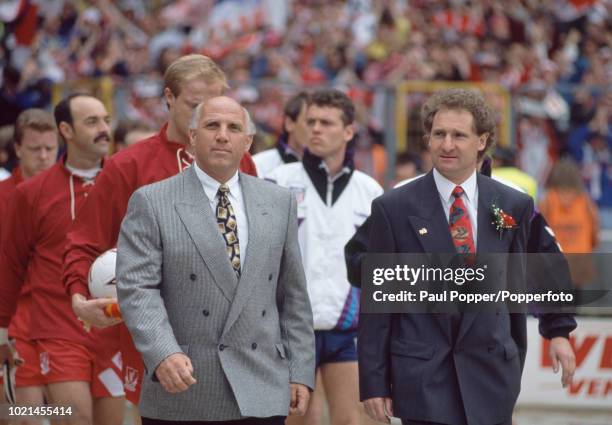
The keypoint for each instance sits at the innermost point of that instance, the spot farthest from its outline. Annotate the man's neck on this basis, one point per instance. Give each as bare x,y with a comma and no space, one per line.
335,163
220,176
26,174
82,162
174,135
295,147
458,179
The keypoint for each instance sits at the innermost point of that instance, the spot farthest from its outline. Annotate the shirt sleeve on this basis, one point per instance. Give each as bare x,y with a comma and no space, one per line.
18,240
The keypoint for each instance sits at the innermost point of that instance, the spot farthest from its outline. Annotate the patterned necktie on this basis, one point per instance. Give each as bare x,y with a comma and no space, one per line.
228,226
460,226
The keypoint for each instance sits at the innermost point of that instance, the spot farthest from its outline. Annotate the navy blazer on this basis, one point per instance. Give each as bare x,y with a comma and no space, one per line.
413,358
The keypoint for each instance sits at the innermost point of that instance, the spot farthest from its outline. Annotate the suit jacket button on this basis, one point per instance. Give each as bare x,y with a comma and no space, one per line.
270,277
254,346
205,313
263,313
222,347
192,276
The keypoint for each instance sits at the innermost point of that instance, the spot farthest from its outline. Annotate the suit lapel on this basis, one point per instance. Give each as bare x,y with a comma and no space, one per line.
257,249
197,217
488,237
431,225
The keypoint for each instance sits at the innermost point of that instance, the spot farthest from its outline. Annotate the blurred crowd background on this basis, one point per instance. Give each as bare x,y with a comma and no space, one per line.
546,65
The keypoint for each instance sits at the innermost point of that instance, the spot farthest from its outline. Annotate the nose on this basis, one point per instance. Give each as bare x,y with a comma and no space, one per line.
221,135
447,143
103,127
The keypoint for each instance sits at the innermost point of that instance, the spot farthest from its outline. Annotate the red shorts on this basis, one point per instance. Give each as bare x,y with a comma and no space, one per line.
65,361
133,367
28,372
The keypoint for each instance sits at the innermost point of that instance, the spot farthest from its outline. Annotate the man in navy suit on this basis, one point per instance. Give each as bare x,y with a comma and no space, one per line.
451,368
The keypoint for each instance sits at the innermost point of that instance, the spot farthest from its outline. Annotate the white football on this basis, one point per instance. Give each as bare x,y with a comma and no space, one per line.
102,282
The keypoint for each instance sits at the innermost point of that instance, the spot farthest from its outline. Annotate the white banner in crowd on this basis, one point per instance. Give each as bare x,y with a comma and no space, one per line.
592,386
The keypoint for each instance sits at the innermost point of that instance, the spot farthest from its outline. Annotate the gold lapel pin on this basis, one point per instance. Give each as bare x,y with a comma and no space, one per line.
422,231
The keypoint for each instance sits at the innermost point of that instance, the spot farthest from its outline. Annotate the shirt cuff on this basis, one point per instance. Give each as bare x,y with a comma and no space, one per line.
3,336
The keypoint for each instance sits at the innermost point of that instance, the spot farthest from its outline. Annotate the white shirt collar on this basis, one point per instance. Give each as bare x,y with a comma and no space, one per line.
446,187
211,186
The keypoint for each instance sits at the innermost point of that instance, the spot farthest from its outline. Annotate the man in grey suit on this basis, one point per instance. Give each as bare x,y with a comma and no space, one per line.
211,286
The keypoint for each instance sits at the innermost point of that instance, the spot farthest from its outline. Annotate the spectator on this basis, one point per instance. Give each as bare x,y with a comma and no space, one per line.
407,165
573,217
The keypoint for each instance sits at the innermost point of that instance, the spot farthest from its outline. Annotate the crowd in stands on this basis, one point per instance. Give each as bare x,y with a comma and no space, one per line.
554,56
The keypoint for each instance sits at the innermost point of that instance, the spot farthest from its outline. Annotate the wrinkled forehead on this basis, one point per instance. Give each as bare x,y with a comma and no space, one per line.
223,108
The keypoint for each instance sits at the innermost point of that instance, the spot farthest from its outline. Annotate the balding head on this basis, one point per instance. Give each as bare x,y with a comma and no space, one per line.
197,114
219,135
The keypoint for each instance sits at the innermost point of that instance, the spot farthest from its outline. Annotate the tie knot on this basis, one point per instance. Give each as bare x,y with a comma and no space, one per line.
458,191
223,189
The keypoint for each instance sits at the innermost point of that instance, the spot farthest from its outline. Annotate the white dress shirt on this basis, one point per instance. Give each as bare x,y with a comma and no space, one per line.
211,187
470,198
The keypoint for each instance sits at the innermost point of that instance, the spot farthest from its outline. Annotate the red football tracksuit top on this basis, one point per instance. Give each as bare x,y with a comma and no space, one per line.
20,324
42,208
97,227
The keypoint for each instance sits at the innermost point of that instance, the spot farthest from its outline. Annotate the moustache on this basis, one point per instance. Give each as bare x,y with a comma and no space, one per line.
102,136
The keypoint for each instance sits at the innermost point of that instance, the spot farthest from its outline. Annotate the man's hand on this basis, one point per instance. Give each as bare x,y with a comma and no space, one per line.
91,312
561,352
379,408
300,394
175,373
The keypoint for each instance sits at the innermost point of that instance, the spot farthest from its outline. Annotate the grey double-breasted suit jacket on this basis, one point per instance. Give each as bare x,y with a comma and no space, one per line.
247,338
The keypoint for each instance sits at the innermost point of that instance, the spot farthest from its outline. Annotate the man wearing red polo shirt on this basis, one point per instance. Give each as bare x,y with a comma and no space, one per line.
79,368
36,145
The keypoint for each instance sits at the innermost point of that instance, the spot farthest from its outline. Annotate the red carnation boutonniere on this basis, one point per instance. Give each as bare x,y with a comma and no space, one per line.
501,220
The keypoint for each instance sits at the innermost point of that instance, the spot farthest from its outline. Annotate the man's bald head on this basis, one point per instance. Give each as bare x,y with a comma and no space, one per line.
220,135
223,102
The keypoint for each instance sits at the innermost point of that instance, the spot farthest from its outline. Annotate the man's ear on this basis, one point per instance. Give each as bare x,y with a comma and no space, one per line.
289,124
249,142
482,141
191,135
65,130
169,96
349,132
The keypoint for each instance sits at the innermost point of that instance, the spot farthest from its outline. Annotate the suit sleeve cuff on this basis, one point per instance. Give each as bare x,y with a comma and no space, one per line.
304,379
160,353
78,288
559,332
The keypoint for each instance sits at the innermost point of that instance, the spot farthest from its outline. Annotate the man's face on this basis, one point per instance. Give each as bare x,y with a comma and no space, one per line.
89,134
454,144
298,130
192,93
220,139
328,134
37,151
